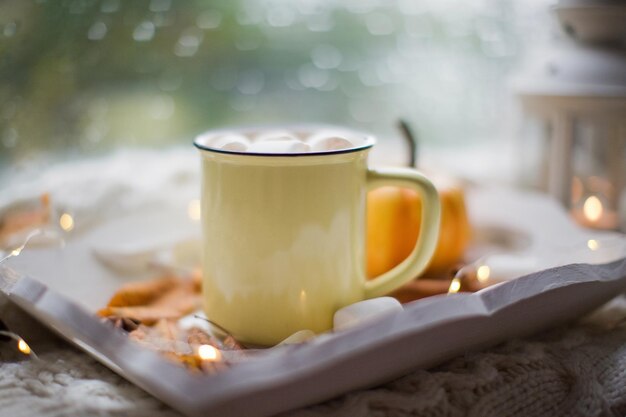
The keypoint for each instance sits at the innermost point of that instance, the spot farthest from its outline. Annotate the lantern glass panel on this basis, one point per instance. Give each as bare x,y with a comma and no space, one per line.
598,171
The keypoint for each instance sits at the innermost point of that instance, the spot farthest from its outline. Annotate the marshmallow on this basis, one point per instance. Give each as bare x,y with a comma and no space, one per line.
364,311
197,319
298,337
279,146
275,135
230,142
327,141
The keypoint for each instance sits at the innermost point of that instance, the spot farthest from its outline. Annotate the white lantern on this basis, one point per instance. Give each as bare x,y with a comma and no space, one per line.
577,90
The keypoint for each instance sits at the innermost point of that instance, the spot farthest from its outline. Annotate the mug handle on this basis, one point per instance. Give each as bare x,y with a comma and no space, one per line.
424,249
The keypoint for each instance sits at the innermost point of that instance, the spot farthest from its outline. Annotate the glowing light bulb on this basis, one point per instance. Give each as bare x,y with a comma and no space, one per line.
593,244
592,208
193,210
23,347
482,273
66,221
455,286
209,353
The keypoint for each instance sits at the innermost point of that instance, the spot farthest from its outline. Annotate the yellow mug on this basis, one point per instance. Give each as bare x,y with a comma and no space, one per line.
284,234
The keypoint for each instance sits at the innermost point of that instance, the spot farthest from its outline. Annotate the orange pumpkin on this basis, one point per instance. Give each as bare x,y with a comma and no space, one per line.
393,217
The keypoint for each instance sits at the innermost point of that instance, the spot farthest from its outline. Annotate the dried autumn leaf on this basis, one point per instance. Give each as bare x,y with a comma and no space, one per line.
182,297
196,336
167,298
158,305
142,293
230,343
22,217
124,323
166,329
146,314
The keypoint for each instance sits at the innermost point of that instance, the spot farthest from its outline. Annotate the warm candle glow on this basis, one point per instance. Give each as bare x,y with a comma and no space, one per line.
595,213
455,286
482,273
23,347
209,353
193,209
66,222
593,208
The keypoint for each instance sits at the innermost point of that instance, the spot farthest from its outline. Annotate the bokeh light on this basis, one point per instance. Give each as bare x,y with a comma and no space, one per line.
96,75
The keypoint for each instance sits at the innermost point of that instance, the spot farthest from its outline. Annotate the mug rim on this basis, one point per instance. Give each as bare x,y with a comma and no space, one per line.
369,139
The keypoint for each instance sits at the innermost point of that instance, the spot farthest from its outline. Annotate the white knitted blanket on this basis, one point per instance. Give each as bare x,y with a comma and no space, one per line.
578,370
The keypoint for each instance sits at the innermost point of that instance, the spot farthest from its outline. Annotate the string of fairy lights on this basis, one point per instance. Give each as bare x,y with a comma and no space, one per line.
19,343
5,334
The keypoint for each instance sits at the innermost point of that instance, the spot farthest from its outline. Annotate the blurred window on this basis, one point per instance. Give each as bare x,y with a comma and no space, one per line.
80,77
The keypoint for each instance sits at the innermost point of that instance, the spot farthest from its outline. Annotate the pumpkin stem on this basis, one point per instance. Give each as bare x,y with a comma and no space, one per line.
411,140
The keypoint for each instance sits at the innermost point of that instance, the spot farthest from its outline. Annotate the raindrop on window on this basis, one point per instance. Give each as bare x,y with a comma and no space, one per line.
187,46
313,77
419,28
162,19
170,81
379,24
144,32
362,111
398,66
361,6
249,44
97,31
251,82
326,57
493,40
407,46
251,15
242,103
162,108
9,138
160,5
498,48
94,133
9,29
9,109
368,76
410,7
209,19
307,7
280,16
292,81
322,22
384,73
110,6
98,109
331,84
349,63
188,43
224,79
78,7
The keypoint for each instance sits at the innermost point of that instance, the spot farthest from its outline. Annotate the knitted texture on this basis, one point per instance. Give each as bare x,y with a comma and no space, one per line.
578,370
